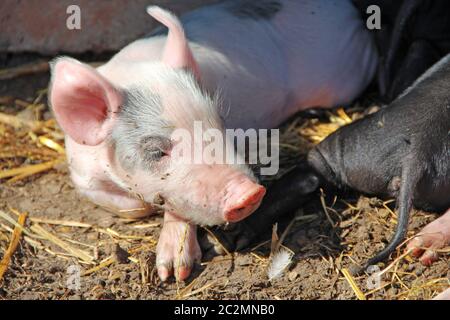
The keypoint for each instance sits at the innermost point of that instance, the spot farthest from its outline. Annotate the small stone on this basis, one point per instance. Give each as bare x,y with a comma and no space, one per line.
120,254
93,236
101,283
292,275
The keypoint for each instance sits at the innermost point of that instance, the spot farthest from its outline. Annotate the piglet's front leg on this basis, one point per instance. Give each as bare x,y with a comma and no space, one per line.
435,235
177,248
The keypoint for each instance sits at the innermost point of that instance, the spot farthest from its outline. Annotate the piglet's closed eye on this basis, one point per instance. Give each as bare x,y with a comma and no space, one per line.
83,101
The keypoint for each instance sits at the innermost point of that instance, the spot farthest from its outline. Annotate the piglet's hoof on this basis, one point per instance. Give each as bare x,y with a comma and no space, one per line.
138,213
177,249
433,237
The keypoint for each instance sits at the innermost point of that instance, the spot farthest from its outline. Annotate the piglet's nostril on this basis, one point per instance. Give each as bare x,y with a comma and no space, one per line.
246,204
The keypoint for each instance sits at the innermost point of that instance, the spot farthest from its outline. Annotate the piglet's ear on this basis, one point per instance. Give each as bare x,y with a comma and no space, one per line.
83,101
177,53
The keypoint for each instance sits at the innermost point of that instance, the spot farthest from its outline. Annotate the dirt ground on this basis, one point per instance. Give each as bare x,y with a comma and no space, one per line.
116,257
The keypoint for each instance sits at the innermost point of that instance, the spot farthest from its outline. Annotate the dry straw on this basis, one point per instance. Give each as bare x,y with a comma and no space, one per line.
4,263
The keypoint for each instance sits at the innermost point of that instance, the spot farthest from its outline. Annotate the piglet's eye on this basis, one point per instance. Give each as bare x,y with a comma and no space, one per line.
153,148
154,155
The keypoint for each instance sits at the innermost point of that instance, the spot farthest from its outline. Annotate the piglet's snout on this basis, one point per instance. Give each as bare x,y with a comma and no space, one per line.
243,199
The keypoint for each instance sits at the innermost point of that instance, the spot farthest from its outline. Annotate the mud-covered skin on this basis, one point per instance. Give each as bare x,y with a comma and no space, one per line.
402,151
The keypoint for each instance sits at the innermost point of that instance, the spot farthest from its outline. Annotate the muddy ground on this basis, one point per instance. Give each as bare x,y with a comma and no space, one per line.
123,251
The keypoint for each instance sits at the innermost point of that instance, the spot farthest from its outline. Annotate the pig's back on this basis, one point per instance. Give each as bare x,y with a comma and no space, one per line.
272,58
330,52
425,108
300,54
